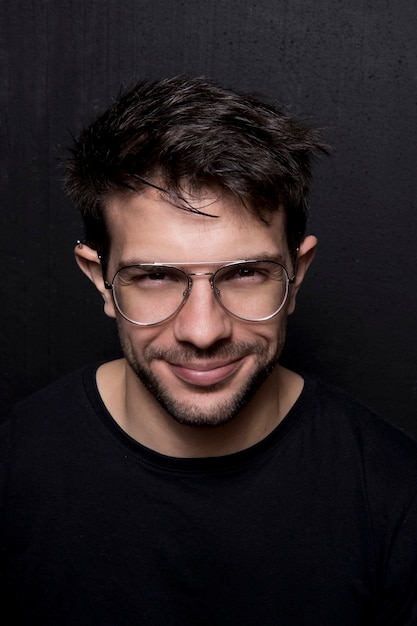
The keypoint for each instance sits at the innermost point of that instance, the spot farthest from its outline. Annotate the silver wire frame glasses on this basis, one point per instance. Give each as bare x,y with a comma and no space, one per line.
151,293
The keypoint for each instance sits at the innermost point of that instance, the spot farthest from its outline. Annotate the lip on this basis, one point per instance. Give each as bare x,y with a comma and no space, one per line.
205,373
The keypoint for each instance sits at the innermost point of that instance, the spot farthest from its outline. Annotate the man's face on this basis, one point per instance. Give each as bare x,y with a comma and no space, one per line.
203,365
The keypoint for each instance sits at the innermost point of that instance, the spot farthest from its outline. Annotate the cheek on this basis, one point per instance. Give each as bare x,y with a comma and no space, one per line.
138,338
274,327
270,334
274,333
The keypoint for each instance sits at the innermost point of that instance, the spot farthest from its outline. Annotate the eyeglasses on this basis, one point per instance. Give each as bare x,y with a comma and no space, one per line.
147,294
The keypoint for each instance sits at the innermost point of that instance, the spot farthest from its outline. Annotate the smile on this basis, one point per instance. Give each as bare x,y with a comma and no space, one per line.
205,373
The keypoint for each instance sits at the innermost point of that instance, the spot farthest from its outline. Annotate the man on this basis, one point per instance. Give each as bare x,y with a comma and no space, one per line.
196,481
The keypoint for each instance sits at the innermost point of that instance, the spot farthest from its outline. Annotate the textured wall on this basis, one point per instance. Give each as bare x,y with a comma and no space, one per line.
351,66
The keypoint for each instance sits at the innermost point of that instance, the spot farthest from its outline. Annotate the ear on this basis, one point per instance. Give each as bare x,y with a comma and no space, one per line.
89,262
305,256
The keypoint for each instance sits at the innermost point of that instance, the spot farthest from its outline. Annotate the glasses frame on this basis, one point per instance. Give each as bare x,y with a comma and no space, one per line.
189,277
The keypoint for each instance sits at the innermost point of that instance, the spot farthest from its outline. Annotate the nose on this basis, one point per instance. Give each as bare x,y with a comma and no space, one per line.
202,321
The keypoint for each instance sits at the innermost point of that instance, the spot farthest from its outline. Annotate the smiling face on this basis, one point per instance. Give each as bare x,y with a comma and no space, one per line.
203,365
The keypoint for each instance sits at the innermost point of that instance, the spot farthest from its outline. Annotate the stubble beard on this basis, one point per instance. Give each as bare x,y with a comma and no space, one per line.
220,412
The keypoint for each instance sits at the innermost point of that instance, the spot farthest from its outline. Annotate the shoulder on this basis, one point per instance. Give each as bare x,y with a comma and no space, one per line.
52,413
62,395
345,410
50,427
385,453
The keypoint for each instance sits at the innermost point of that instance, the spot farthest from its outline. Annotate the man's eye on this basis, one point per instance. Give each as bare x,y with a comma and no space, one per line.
244,274
157,276
164,278
141,279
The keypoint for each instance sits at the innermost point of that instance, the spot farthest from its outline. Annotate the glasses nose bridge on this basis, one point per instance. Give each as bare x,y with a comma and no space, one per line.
200,275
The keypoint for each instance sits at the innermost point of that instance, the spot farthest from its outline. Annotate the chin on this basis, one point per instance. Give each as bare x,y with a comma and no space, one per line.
204,414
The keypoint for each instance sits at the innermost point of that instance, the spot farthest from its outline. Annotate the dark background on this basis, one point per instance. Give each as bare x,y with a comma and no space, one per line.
348,65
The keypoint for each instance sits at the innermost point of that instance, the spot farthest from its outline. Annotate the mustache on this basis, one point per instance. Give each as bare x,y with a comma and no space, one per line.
188,353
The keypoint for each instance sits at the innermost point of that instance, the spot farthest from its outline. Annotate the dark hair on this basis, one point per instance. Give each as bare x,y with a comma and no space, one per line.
191,131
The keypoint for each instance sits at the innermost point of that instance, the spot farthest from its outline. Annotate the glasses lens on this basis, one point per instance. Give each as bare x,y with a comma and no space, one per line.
147,294
252,291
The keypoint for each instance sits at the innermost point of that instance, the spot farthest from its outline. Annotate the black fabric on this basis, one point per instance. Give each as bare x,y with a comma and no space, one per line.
315,525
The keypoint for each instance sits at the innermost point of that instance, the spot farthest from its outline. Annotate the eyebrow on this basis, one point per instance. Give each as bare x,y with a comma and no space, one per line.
259,256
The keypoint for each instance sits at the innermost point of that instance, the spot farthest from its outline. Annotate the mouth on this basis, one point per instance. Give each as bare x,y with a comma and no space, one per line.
207,373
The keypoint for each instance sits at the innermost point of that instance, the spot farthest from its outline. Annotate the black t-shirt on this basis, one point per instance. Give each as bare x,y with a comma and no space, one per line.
314,525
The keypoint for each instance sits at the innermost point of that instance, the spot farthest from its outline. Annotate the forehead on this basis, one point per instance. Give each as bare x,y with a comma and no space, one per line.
147,227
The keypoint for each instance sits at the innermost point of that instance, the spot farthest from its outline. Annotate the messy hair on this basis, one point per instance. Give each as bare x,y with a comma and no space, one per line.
190,133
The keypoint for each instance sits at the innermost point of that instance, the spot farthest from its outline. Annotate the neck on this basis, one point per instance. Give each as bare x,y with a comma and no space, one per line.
138,413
